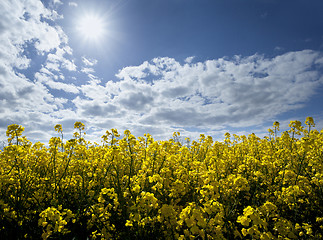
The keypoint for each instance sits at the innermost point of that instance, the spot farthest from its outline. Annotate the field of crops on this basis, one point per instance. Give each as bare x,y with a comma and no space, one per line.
245,187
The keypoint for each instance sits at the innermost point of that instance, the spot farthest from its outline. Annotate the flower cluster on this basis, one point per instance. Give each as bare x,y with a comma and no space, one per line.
245,187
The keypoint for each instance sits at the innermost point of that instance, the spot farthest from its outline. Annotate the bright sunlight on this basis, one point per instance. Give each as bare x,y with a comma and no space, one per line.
91,27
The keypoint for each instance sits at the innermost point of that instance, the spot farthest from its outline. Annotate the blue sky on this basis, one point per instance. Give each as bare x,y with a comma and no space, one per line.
159,66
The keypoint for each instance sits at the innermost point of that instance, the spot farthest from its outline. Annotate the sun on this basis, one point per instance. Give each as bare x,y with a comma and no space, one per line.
91,27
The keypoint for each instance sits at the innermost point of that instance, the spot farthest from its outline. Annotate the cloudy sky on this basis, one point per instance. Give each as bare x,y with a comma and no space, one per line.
159,66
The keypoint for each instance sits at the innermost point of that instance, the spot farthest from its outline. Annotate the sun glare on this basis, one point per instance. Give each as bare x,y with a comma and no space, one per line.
91,27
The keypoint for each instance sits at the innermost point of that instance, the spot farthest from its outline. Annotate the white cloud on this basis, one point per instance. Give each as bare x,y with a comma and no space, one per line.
189,59
57,2
62,86
87,70
72,4
49,38
48,79
69,65
22,62
56,61
137,72
28,101
237,92
89,62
